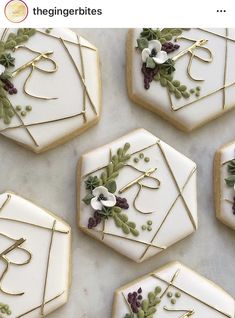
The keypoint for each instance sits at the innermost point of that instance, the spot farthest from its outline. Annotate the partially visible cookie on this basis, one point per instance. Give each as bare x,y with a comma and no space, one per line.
35,249
137,195
224,184
172,291
50,86
184,75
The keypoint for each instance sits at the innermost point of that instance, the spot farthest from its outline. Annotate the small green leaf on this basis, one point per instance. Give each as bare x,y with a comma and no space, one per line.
87,198
140,314
145,305
125,228
111,186
150,63
142,43
230,181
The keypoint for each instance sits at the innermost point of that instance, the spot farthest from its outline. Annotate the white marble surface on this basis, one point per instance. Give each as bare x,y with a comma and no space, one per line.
50,180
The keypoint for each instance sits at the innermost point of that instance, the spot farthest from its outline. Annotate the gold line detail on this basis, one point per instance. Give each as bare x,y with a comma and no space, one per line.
129,239
5,202
68,41
35,308
216,34
47,268
80,76
190,295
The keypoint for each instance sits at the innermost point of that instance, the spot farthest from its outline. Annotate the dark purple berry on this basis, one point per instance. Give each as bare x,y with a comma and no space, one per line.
139,290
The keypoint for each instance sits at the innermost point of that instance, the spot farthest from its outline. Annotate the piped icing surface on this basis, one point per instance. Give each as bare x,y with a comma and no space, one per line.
137,195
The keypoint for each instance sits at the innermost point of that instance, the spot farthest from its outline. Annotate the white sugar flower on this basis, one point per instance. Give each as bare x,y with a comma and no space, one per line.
2,69
102,197
154,51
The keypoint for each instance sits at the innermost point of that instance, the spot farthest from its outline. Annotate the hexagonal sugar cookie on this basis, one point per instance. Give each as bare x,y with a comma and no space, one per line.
173,291
49,86
137,195
184,75
224,181
34,261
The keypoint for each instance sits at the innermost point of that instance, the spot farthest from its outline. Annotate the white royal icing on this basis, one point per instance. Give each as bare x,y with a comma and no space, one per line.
64,84
44,280
198,295
203,108
179,210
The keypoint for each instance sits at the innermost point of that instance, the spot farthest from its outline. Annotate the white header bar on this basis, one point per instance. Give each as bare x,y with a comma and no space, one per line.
123,13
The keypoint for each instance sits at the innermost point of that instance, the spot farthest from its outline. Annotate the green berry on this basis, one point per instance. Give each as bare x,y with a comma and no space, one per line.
149,222
141,155
23,113
173,301
198,88
158,289
136,160
169,294
192,91
197,94
144,227
149,228
18,108
146,159
28,108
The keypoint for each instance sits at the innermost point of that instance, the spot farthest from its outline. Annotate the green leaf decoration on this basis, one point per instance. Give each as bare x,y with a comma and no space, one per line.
6,109
230,181
163,35
150,63
4,309
92,183
142,43
7,60
87,199
117,162
174,86
111,186
231,166
121,220
21,36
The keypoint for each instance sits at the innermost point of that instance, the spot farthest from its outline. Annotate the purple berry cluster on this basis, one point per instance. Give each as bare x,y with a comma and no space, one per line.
122,203
149,74
134,300
234,205
9,87
95,220
170,47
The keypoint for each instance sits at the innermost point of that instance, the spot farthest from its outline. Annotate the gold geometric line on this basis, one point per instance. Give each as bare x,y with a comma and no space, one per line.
187,313
5,202
170,283
24,126
103,167
68,41
168,212
33,224
35,308
80,76
4,33
178,187
47,268
42,122
219,35
129,239
225,68
83,76
190,295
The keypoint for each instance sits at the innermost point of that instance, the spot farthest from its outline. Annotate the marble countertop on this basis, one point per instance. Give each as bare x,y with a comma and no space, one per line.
49,180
